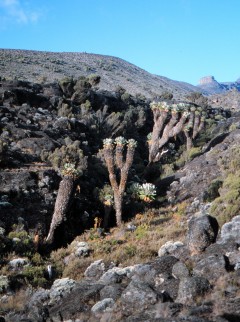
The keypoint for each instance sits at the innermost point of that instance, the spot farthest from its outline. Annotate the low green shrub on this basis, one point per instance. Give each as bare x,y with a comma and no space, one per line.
227,205
213,190
35,275
22,243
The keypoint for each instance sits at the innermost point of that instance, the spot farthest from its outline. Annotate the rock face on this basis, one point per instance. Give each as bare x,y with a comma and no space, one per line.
194,179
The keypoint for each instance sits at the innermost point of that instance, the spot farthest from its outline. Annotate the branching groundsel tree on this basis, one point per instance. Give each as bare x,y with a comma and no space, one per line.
118,156
195,124
170,119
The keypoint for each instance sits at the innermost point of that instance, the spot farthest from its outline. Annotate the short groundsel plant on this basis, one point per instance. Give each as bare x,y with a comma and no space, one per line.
146,191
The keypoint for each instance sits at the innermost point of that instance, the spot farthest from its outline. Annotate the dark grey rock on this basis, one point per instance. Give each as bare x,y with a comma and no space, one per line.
180,270
192,287
79,300
211,267
111,291
144,273
202,231
168,286
137,297
164,264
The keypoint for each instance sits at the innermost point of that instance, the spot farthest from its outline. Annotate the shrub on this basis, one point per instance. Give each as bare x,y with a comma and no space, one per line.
23,245
76,268
35,275
94,79
69,155
141,231
213,190
193,153
106,195
227,205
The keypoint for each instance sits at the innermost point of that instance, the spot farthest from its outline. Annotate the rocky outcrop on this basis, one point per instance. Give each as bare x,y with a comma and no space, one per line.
207,80
193,180
227,100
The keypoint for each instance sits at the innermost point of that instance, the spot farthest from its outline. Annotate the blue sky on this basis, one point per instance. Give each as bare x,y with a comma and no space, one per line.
180,39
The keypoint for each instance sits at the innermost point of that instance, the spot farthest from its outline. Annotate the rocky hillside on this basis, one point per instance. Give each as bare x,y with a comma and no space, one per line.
176,256
37,66
209,85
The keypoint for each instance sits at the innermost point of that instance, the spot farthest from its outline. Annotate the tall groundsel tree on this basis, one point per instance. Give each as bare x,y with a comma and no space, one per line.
70,162
118,156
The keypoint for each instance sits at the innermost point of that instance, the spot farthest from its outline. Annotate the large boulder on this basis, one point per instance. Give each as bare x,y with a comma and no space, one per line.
180,270
60,288
19,96
35,145
202,232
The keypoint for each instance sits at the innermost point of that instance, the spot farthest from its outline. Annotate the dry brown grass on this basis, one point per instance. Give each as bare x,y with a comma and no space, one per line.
153,229
14,302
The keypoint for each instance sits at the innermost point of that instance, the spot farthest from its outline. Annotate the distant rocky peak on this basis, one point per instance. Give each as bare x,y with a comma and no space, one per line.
209,85
207,80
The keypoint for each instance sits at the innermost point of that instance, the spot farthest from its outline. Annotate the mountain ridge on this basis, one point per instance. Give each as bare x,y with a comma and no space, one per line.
39,66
